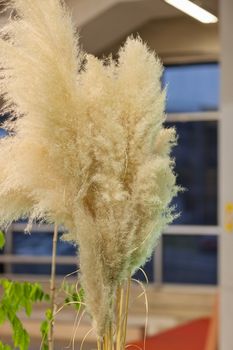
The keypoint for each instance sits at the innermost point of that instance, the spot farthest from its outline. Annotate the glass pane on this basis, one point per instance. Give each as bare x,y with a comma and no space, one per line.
190,259
196,167
192,88
40,244
3,133
3,118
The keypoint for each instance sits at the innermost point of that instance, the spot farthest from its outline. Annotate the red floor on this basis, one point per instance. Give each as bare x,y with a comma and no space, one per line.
191,336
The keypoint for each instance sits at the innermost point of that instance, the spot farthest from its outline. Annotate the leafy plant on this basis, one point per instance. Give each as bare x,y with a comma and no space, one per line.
19,296
2,242
4,346
44,329
75,298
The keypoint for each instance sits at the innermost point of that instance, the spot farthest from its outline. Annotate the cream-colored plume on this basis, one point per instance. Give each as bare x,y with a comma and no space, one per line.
87,147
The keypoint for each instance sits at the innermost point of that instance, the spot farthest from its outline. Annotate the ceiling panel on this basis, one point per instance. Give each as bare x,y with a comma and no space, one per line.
104,22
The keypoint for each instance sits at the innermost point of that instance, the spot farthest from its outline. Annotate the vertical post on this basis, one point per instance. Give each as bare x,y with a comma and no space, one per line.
226,177
158,263
53,288
8,249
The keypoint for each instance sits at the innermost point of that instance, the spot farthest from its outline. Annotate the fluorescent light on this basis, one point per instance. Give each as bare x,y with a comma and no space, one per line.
193,10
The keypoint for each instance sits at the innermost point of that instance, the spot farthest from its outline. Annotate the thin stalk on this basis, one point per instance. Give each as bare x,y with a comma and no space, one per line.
122,306
126,312
110,336
120,300
99,344
106,342
53,288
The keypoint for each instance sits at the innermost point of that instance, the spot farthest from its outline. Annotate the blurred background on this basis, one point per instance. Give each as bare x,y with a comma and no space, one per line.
183,273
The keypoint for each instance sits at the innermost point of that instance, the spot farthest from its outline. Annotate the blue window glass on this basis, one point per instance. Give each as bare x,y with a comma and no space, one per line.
192,88
196,168
3,118
3,133
40,244
190,259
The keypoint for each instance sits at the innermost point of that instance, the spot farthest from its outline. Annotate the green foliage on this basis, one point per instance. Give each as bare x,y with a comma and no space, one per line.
18,296
2,243
4,346
75,298
44,329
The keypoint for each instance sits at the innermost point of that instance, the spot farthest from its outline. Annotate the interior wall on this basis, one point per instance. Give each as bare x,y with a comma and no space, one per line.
179,40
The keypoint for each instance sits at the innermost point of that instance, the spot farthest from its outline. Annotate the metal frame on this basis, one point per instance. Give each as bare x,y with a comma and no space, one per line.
193,117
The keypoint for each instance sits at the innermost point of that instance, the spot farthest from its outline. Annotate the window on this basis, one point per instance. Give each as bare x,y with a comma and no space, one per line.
39,244
190,256
196,167
3,118
190,259
3,133
192,88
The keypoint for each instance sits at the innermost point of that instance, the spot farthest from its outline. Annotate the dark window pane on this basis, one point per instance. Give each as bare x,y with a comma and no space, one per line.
190,259
40,244
196,167
3,118
192,88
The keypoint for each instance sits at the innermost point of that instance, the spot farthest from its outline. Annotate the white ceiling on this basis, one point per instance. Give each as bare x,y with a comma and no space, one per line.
104,22
87,10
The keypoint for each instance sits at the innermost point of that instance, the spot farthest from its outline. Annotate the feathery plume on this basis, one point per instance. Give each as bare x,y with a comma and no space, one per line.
87,147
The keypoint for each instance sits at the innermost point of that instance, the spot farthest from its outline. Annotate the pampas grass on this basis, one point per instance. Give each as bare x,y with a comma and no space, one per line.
87,147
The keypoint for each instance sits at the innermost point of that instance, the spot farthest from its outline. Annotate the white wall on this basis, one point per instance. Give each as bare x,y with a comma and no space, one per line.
182,39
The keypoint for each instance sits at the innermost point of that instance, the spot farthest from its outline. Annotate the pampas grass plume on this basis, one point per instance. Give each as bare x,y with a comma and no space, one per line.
87,148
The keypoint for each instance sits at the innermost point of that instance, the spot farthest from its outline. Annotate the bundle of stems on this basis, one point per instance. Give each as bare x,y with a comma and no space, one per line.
116,332
115,336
